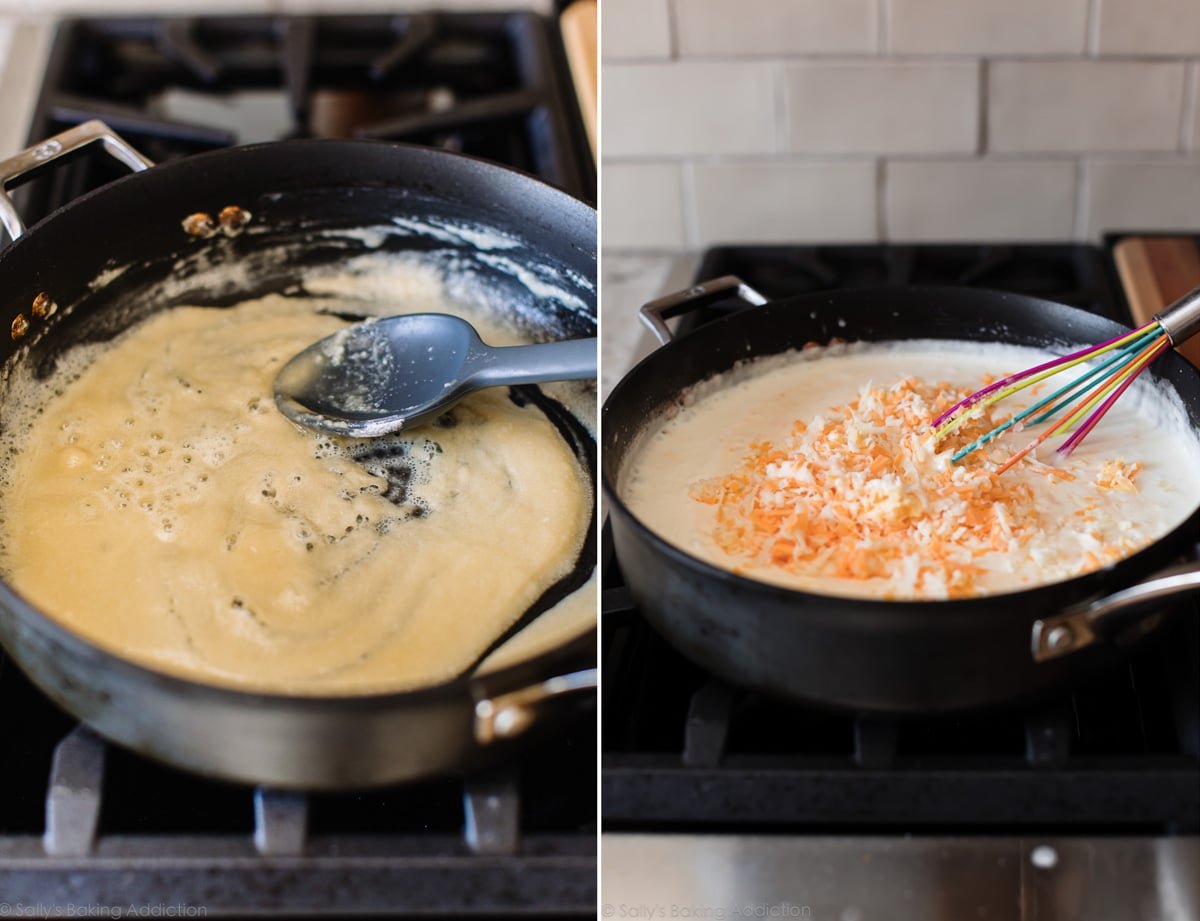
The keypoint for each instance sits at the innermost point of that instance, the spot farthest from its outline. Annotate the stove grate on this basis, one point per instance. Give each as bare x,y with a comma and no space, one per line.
492,85
681,748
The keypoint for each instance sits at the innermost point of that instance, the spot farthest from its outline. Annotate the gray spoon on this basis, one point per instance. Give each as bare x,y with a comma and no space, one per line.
381,376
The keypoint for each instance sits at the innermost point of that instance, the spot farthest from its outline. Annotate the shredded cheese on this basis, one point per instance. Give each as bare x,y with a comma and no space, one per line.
862,492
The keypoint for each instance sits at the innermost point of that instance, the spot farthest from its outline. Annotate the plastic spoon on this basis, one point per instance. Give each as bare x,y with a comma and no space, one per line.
381,376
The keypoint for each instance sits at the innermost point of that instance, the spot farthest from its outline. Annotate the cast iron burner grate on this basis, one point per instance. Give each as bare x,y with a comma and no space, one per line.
493,85
682,750
86,824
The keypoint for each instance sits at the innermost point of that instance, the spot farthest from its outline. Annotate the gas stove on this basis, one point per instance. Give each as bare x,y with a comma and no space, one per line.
718,802
90,828
493,85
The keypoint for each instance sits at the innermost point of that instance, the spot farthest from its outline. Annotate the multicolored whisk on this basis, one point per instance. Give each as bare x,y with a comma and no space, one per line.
1076,408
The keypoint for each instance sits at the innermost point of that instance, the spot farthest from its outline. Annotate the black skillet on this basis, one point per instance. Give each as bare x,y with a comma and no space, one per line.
877,656
299,194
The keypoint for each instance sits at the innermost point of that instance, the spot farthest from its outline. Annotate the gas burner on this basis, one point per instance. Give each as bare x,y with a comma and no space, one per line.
492,85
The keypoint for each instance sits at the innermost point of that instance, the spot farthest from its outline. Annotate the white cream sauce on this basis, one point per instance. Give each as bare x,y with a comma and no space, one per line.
711,434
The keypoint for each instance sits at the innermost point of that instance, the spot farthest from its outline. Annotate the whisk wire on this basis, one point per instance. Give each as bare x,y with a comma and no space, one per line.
953,417
981,399
1119,383
1066,364
1087,398
1128,376
1098,388
1121,358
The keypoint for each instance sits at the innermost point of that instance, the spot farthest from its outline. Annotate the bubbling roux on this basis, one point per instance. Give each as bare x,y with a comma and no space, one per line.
163,508
816,471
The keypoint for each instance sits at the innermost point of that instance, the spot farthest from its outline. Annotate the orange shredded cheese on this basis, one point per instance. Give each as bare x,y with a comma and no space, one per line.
1116,474
861,492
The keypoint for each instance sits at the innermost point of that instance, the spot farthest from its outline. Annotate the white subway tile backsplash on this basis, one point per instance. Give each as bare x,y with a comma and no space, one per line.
980,200
635,29
1150,27
883,107
987,27
1049,106
758,27
694,107
21,69
1141,195
784,202
642,204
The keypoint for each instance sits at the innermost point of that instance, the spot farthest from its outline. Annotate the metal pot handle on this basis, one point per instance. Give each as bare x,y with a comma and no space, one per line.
656,313
32,160
1121,616
510,714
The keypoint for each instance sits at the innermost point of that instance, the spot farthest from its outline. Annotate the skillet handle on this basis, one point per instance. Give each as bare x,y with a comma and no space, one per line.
510,714
26,164
1118,617
656,313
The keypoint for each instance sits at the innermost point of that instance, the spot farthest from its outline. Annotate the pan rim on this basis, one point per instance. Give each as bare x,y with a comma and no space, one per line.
469,161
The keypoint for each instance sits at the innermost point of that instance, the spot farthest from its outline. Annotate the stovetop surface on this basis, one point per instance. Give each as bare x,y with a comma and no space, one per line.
86,824
1069,273
493,85
685,752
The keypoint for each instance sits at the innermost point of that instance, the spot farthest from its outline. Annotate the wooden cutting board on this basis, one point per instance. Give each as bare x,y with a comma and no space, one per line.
578,26
1156,271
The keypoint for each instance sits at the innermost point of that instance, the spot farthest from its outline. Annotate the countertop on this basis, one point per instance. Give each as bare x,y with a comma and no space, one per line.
628,279
24,45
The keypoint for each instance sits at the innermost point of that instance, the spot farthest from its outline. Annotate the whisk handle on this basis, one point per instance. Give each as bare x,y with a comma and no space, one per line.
1181,320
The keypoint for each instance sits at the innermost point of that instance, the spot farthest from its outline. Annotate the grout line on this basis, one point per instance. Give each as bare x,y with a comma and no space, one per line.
881,210
687,197
828,158
1091,41
781,129
634,60
1081,211
905,58
672,30
1187,123
883,26
984,82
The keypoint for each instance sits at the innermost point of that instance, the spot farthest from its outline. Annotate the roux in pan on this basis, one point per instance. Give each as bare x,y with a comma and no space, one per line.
164,509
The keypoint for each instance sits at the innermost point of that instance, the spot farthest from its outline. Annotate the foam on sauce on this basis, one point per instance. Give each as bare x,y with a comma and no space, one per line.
815,471
156,502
